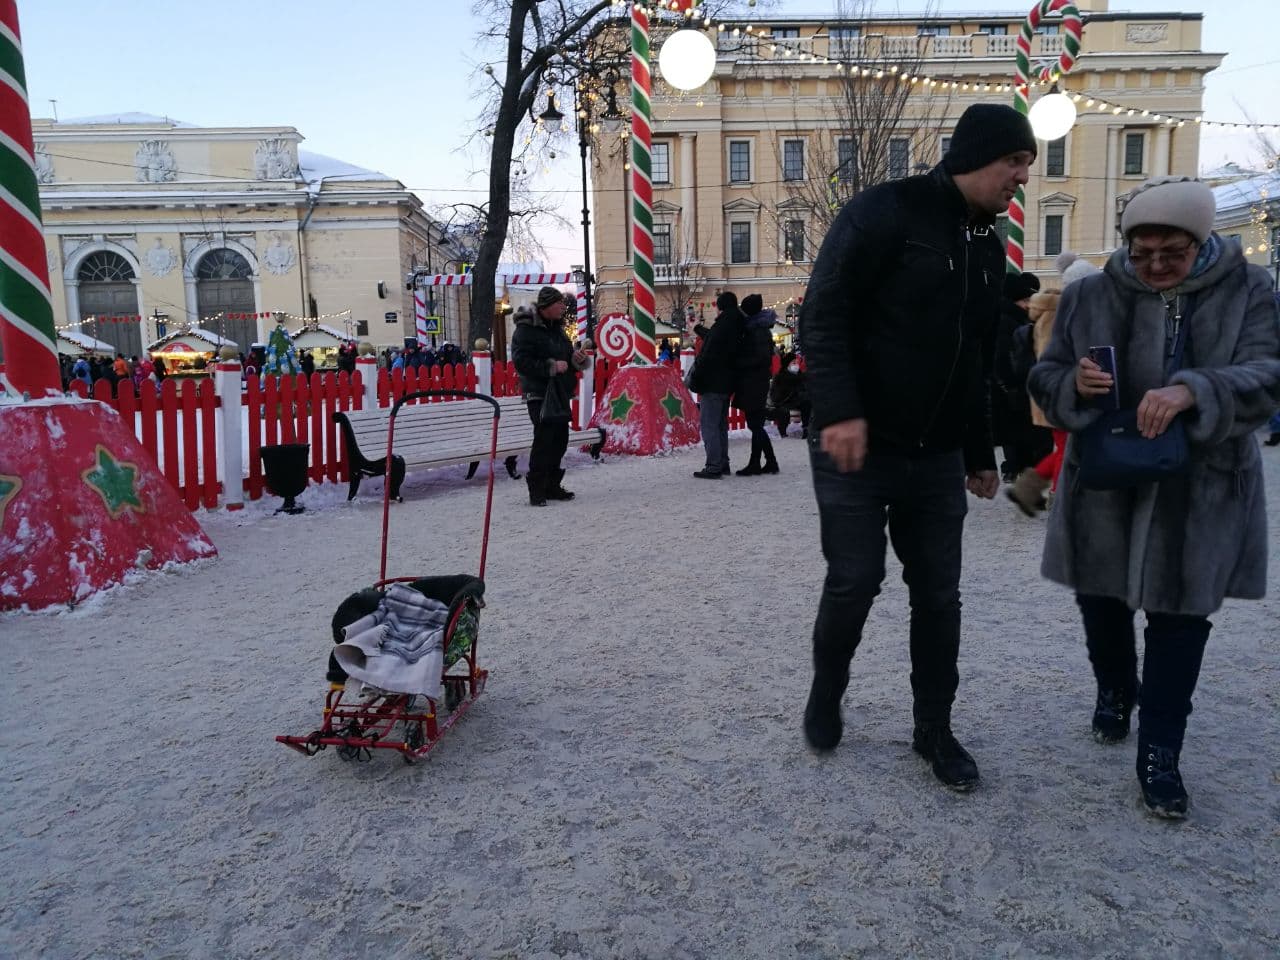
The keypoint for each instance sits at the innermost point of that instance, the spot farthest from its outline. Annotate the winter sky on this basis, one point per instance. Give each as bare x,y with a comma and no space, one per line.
394,85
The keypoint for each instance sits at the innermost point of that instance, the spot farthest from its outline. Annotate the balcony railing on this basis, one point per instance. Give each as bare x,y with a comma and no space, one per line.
690,273
880,48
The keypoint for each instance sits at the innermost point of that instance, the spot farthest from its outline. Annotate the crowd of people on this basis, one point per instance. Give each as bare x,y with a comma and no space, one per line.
1138,388
132,371
422,355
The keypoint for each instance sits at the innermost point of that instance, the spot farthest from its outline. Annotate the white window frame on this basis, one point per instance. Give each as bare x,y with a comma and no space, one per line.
751,161
906,168
665,146
787,178
842,42
1124,153
1063,220
751,242
944,144
667,229
844,175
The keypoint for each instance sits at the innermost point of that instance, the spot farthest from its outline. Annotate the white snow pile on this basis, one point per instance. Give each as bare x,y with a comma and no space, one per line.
633,782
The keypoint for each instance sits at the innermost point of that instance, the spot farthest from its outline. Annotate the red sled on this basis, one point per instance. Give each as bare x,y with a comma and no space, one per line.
411,724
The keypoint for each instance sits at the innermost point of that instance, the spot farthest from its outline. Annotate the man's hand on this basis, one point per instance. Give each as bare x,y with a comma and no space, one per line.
1091,380
559,366
846,444
984,483
1159,407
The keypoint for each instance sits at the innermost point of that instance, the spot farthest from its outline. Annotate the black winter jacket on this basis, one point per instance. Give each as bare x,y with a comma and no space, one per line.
751,391
717,363
534,349
899,319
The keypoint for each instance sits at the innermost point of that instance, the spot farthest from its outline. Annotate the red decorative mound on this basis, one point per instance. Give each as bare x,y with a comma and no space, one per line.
645,410
81,505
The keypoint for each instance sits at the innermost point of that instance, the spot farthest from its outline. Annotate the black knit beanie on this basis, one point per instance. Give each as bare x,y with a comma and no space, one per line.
987,132
752,304
1020,286
728,300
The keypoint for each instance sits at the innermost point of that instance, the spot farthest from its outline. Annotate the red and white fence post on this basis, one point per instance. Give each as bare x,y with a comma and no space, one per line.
586,394
482,360
226,384
367,367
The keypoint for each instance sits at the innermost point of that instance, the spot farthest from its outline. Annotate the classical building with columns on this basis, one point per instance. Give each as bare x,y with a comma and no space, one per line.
153,225
749,170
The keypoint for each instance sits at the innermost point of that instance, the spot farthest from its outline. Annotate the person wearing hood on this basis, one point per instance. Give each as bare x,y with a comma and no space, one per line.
898,327
1196,341
546,362
713,376
751,391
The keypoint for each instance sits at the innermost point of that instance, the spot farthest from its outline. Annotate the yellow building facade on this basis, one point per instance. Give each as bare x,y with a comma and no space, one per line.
153,226
749,170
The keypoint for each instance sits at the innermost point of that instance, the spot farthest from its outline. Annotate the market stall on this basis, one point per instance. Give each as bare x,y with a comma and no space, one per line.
189,352
321,341
73,343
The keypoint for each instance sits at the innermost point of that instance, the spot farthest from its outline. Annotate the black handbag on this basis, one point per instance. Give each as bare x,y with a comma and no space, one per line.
1115,456
555,402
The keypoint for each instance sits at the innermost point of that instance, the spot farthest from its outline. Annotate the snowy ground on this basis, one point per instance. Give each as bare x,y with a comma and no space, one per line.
633,782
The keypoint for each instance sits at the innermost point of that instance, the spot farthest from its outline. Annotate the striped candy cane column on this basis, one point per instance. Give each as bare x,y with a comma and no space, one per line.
645,303
26,308
1072,27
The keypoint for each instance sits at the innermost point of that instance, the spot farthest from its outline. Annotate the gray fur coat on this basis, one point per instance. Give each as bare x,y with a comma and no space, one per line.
1186,543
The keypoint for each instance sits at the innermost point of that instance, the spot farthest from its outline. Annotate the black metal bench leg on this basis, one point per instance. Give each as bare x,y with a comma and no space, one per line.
354,486
510,463
472,467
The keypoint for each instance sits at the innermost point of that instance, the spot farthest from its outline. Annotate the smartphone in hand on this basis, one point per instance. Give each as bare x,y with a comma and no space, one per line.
1105,358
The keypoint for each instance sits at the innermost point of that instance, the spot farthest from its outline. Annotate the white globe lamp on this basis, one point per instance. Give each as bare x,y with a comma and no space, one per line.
1052,116
687,59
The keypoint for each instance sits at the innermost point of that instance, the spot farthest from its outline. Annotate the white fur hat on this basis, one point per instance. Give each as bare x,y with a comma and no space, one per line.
1182,202
1073,267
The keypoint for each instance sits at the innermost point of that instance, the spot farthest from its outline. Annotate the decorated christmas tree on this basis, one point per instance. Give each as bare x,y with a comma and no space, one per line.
281,357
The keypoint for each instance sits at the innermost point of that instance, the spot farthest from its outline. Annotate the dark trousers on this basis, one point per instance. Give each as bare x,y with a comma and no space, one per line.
1170,665
760,443
550,440
922,501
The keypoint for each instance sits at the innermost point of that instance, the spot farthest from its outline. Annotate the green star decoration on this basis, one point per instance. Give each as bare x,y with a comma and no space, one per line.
673,404
9,487
116,482
620,406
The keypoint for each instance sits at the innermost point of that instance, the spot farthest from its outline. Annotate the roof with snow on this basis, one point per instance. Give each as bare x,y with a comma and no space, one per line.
317,166
147,119
208,336
1242,194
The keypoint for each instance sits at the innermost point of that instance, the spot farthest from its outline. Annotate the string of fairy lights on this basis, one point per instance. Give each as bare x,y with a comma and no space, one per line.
279,316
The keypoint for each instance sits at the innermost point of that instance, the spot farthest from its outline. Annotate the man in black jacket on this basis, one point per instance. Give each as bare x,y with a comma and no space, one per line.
898,325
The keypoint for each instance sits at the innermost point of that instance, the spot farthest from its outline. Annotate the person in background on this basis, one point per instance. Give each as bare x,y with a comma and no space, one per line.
80,371
1177,547
714,373
397,360
546,362
787,392
157,365
1022,441
121,368
308,363
751,391
1028,489
898,325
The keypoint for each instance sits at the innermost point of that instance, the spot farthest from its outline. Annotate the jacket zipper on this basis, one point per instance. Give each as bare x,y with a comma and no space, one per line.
955,360
951,264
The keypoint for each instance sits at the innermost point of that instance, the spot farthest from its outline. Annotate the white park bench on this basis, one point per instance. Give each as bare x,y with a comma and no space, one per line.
439,434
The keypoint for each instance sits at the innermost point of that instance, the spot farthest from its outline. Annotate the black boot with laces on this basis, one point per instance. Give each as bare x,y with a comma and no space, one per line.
1111,715
1161,783
951,762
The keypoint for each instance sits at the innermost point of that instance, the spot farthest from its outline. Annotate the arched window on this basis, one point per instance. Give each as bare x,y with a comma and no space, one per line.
107,295
104,267
223,265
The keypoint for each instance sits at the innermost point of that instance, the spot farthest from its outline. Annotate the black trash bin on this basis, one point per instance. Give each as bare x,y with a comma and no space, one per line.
286,468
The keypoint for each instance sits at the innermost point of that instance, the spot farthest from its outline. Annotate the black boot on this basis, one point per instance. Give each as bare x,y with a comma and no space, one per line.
1111,715
555,491
752,469
822,724
537,490
1161,783
1272,441
951,762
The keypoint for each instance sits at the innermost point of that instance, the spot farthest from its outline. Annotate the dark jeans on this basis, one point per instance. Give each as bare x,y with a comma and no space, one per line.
922,500
550,440
1170,665
713,418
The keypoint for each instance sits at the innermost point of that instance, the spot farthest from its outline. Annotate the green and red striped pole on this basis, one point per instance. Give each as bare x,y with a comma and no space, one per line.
1072,28
645,303
26,306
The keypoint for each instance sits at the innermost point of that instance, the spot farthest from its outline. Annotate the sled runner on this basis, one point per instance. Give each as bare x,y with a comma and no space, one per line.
360,717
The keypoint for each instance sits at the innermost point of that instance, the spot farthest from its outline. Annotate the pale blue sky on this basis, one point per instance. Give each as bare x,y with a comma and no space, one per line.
392,84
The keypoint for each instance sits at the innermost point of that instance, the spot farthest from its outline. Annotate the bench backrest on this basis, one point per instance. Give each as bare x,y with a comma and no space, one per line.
426,425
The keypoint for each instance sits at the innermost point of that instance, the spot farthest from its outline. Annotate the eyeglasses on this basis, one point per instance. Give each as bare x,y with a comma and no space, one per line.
1169,255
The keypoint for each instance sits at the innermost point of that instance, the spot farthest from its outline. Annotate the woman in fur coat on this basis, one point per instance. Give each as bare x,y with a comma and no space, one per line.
1174,548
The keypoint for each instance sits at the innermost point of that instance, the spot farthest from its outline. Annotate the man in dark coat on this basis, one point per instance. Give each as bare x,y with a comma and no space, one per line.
751,392
898,326
715,371
546,361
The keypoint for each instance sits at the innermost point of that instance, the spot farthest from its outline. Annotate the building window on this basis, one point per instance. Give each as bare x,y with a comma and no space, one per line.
661,162
1055,158
994,29
899,157
739,161
104,267
1134,144
844,41
785,33
792,159
739,243
944,144
793,241
1048,29
1053,235
662,244
846,159
923,31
